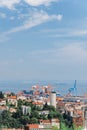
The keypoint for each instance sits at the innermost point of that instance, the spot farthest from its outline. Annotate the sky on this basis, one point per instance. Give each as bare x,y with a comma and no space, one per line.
43,39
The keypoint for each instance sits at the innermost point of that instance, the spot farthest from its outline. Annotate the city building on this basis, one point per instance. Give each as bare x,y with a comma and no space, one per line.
12,100
26,110
53,98
44,125
2,102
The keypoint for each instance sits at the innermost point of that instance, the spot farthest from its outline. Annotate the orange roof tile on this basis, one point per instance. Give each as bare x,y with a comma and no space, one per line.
33,126
79,112
55,120
59,99
12,97
45,121
37,103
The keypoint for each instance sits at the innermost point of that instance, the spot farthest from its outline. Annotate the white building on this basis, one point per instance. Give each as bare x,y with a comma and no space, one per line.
26,110
21,97
2,102
53,99
12,100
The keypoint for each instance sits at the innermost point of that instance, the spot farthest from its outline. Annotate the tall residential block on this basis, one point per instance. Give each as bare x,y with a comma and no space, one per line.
53,98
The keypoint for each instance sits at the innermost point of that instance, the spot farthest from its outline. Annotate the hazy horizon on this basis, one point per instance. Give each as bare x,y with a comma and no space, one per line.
61,86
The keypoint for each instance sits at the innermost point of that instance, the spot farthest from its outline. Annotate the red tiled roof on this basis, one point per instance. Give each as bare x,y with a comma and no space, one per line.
55,120
37,103
33,126
79,112
12,97
45,121
59,99
50,121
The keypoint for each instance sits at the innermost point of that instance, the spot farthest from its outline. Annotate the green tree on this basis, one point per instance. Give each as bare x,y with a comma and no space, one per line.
18,114
51,108
35,114
20,103
55,128
25,120
50,115
64,127
34,120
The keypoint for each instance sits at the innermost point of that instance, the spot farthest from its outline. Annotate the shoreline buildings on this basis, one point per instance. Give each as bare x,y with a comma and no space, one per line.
38,98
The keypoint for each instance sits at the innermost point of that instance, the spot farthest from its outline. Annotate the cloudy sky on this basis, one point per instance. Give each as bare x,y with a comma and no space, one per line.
43,39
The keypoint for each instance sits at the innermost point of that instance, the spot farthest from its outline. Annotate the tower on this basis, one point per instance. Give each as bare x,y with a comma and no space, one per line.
53,99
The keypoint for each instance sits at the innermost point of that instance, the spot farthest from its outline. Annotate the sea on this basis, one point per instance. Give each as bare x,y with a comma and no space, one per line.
62,87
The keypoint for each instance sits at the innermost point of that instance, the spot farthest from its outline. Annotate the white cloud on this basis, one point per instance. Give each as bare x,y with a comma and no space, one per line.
9,3
12,18
31,19
74,54
59,17
2,15
69,32
79,32
35,18
39,2
67,62
66,55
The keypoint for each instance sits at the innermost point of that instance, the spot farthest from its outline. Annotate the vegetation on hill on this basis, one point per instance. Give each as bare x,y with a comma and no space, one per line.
18,119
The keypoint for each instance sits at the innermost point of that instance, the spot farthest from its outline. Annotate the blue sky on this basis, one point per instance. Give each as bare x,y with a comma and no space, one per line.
43,39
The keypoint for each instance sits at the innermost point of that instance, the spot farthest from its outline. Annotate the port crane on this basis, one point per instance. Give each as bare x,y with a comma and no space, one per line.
73,90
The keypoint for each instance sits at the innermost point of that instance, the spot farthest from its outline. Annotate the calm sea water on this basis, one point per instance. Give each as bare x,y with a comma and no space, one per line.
61,86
